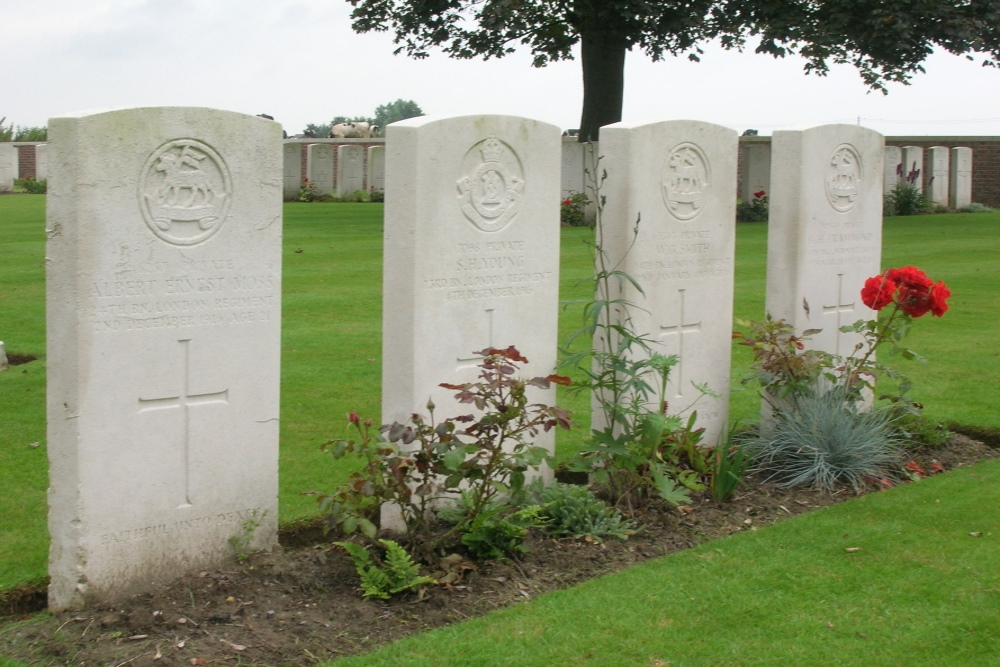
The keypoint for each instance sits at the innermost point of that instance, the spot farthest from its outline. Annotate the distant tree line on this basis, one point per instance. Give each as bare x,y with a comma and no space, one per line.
384,114
12,133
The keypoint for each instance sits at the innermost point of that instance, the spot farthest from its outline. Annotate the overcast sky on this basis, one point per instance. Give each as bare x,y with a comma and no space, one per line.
299,61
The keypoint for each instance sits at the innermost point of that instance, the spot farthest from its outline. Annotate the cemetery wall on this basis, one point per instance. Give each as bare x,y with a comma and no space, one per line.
985,160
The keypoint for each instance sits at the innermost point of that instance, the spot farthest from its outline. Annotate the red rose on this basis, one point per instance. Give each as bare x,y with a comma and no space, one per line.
938,299
915,301
909,276
760,194
877,292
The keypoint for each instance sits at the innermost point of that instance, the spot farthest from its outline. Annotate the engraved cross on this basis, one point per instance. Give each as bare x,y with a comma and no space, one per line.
184,400
679,330
468,362
839,309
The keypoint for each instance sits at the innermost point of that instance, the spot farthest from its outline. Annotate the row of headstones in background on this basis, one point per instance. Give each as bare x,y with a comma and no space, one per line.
949,178
164,297
333,169
163,291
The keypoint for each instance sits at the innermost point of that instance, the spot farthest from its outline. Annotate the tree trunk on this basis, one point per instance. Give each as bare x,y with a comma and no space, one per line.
602,55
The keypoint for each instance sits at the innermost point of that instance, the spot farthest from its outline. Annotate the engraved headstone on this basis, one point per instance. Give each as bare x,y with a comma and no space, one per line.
825,230
163,309
8,166
756,171
292,169
892,170
471,255
319,167
676,179
350,169
961,177
376,168
937,184
913,166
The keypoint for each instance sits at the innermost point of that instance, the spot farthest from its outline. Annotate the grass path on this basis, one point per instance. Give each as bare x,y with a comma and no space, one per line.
922,588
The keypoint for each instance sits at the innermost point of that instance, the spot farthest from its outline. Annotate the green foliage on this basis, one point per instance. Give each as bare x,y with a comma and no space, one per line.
731,460
975,208
241,542
29,186
417,464
781,363
755,210
308,191
575,511
573,210
18,133
498,533
393,111
822,440
905,199
919,431
395,574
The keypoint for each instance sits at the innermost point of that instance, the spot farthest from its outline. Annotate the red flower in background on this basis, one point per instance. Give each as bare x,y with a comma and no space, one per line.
759,194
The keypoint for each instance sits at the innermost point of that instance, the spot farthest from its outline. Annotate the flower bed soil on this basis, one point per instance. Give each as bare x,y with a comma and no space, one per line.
300,604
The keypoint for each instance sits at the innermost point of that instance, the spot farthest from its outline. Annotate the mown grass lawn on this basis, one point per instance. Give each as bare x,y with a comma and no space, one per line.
331,341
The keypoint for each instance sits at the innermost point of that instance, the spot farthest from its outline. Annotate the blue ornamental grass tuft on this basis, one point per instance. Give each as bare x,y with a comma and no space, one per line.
822,440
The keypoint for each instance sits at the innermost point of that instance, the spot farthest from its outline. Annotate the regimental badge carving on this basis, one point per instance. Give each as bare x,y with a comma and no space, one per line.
686,179
843,178
492,192
185,191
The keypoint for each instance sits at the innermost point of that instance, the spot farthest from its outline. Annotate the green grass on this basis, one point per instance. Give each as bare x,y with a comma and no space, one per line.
921,590
331,357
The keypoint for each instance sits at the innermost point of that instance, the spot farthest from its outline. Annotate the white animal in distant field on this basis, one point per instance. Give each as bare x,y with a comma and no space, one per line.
376,131
343,131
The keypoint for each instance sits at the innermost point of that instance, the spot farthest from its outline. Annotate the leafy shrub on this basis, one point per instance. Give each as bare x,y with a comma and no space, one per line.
731,460
376,196
308,191
30,186
575,511
382,580
975,208
755,210
821,440
498,533
905,199
573,210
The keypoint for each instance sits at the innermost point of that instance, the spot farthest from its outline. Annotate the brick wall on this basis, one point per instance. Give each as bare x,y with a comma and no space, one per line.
25,160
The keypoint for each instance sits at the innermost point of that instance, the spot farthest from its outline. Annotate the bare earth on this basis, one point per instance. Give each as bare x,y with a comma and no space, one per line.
300,604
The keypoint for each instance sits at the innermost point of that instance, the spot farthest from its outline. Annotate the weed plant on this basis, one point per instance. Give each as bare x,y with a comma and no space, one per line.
574,511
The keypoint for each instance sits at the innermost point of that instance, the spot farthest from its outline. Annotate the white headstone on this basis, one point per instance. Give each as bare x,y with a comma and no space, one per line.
892,168
825,230
471,255
937,183
756,168
573,167
913,166
292,169
961,177
163,310
350,169
376,168
319,167
676,178
8,166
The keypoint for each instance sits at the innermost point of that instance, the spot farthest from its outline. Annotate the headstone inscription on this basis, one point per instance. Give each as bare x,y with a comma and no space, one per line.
163,310
961,177
350,169
825,230
670,222
292,169
471,255
938,158
319,167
